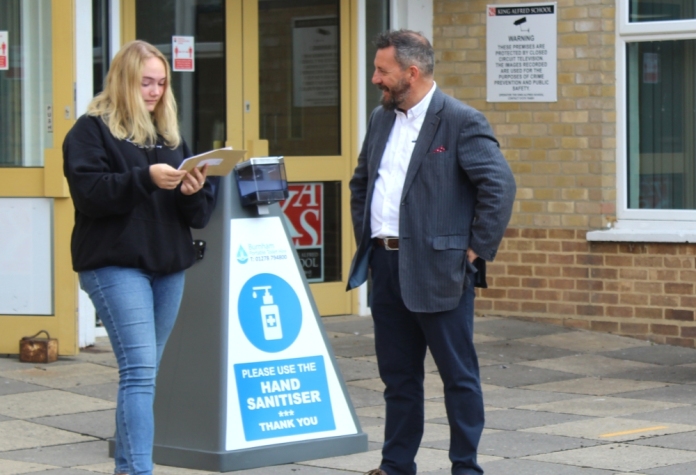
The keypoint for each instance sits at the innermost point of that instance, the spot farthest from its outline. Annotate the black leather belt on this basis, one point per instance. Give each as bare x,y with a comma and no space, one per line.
388,243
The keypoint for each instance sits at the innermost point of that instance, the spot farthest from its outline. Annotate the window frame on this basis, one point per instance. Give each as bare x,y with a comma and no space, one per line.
633,33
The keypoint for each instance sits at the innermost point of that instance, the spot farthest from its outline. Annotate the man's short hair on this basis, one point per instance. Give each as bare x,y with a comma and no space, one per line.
410,49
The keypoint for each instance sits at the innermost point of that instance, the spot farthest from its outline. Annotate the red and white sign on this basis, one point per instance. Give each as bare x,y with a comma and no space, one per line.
304,216
183,53
304,210
4,52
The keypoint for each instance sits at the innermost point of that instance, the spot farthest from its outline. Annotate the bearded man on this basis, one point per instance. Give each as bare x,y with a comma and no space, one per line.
430,200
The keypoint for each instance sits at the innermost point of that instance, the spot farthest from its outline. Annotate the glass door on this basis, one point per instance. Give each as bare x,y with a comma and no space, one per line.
299,79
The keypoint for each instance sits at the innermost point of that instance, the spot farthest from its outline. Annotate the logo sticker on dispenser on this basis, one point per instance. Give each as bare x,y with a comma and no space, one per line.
242,256
270,313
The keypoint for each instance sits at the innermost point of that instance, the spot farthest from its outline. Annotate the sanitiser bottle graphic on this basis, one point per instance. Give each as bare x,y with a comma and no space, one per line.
270,315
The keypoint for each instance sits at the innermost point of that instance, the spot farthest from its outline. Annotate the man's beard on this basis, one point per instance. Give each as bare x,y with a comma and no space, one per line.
397,95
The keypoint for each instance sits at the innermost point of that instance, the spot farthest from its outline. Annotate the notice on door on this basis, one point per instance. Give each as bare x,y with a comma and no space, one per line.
521,53
4,49
183,53
315,61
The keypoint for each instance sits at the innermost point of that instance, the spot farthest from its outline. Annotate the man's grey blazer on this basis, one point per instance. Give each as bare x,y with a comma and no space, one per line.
458,193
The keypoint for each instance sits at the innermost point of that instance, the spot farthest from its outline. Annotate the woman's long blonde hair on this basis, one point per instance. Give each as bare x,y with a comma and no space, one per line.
121,105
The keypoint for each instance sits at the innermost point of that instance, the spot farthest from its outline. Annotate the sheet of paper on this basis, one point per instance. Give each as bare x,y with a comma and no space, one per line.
220,161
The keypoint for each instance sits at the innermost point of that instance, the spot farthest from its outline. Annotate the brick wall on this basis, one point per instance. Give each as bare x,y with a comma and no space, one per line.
555,275
563,155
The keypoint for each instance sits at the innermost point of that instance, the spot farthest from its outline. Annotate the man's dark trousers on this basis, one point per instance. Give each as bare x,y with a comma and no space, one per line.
401,339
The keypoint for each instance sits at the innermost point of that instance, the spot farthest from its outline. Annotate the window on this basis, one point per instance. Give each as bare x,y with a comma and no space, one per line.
26,85
657,127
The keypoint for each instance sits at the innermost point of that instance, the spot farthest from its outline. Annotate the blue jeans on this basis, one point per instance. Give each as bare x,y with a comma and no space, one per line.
138,310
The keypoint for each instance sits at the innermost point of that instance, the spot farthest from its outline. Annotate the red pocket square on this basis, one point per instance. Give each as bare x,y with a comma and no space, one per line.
441,148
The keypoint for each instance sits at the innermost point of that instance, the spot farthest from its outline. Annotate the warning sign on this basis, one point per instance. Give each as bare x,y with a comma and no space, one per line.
304,215
183,52
521,53
4,51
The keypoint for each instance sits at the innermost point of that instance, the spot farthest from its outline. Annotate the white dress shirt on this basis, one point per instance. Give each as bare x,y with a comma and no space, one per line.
389,185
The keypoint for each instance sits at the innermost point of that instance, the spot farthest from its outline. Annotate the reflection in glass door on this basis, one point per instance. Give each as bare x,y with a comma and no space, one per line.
200,94
299,77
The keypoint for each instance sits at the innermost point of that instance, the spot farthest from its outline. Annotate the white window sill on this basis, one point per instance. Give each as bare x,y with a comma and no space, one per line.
646,231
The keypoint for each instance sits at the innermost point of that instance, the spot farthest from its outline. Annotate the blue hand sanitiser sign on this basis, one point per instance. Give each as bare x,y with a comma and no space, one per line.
284,397
282,385
270,313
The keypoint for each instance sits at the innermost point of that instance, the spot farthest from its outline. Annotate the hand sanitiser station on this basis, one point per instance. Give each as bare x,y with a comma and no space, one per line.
248,378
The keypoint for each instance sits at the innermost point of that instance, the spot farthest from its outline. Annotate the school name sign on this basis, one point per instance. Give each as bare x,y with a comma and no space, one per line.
521,52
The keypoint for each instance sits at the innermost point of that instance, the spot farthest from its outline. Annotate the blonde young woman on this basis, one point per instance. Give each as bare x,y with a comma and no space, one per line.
132,240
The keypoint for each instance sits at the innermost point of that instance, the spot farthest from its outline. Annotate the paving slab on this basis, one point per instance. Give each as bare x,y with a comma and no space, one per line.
64,471
656,354
677,415
487,388
514,351
108,468
10,362
531,467
432,385
355,325
12,467
49,403
375,433
448,471
511,376
682,441
599,406
353,370
65,376
586,341
350,346
682,393
295,469
106,391
510,329
619,457
16,435
611,429
427,460
361,397
516,444
67,454
665,374
481,338
678,469
101,424
101,353
589,364
602,406
596,386
11,386
374,384
513,397
517,419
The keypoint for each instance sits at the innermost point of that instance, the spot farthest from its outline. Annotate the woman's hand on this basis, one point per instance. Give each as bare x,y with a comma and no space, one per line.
165,176
194,181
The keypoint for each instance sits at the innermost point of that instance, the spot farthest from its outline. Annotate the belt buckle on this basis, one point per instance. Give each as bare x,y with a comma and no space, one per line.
388,247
